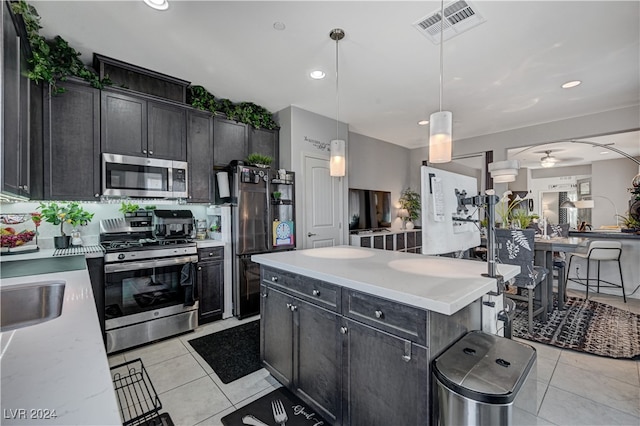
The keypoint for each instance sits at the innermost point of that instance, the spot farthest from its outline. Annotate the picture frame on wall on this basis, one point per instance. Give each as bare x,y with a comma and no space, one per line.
584,188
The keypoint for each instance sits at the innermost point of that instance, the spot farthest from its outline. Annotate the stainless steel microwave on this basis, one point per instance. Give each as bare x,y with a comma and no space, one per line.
124,175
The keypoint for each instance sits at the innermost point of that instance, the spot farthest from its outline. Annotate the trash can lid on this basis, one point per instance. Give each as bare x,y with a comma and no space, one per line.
485,367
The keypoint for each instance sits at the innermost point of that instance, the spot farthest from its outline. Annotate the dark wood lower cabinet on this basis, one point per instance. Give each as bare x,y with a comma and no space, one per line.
210,276
276,340
95,265
386,378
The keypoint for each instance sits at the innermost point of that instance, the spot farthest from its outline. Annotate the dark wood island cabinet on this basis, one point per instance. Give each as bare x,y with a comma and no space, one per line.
354,337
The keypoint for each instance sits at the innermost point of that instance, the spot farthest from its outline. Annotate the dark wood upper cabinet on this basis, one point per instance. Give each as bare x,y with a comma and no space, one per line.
15,177
266,142
140,126
200,156
230,141
71,135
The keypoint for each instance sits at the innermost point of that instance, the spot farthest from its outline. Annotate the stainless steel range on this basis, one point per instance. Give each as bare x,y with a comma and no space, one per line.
150,278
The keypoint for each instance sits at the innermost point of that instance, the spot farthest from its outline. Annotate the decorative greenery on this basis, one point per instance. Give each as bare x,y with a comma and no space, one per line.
629,221
52,60
244,112
410,200
126,207
59,214
277,195
256,158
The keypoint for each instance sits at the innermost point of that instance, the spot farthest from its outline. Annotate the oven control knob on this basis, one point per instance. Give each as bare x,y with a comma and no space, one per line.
121,256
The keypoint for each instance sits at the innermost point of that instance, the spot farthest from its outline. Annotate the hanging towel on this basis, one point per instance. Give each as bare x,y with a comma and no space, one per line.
188,283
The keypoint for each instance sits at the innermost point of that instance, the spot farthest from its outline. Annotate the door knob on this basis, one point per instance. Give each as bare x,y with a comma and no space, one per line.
311,234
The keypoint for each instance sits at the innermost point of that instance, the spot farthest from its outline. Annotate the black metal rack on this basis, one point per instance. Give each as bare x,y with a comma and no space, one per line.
137,398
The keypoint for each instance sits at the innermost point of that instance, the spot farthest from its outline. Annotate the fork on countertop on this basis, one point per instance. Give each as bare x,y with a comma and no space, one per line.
279,414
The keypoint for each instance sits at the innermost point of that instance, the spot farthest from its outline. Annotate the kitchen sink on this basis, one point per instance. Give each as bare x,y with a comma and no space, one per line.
30,304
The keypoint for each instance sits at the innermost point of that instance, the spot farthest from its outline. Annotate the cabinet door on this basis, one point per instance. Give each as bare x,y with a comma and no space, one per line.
72,143
230,141
200,157
123,124
15,108
381,387
95,265
167,134
318,359
264,141
211,291
276,340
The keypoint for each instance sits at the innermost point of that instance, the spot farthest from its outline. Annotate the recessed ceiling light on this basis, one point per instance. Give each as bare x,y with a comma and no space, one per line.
157,4
279,26
423,122
570,84
317,74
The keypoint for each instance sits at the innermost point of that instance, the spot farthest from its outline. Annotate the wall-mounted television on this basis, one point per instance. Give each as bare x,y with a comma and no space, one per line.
369,209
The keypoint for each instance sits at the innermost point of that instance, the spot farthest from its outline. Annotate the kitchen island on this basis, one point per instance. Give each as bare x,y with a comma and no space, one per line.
352,331
56,372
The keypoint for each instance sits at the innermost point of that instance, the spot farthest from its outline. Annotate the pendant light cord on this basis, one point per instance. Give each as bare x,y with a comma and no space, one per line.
441,49
337,92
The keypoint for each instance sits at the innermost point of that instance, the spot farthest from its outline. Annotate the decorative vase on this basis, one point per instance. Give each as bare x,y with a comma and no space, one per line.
409,224
76,239
61,242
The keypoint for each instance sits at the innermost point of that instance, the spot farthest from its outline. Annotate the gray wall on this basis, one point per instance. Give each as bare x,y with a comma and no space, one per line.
379,165
610,179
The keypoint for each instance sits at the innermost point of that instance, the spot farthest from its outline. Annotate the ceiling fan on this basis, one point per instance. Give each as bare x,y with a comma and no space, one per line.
548,160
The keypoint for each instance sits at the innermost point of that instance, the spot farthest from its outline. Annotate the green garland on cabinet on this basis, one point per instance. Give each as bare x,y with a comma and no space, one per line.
244,112
52,60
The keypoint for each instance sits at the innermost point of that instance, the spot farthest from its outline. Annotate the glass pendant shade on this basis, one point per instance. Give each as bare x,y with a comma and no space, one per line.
337,163
440,125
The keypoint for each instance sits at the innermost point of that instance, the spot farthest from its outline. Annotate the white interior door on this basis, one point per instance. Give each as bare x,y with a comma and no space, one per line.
322,205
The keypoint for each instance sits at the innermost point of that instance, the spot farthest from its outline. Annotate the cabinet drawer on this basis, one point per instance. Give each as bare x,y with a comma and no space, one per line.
398,319
315,291
212,253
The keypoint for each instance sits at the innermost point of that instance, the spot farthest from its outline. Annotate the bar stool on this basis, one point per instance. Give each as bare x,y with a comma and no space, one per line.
600,251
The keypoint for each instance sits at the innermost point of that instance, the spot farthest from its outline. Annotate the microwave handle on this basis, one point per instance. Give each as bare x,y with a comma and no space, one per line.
132,266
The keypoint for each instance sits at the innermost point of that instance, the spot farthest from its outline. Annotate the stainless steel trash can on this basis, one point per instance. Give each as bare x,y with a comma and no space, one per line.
485,379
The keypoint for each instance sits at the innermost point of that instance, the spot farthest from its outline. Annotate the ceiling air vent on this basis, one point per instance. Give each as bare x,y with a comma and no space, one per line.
460,16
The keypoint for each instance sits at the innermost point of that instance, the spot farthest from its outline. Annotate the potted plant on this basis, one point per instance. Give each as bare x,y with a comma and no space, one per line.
410,200
277,195
59,214
259,160
128,209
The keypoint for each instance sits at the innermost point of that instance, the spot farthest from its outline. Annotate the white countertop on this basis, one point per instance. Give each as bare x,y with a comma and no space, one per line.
440,284
60,364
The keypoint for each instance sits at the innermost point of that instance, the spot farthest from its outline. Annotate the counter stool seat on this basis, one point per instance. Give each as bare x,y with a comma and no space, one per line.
600,251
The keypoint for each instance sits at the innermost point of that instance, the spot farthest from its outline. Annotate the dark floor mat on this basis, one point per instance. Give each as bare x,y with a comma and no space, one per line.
298,413
232,353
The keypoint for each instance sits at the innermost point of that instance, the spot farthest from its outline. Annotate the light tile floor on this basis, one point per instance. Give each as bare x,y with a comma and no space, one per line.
573,388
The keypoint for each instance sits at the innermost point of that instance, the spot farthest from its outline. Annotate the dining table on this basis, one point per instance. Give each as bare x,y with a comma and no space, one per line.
544,248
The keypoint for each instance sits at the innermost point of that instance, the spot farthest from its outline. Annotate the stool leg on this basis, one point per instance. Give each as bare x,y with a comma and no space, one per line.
530,310
598,277
624,296
562,289
588,264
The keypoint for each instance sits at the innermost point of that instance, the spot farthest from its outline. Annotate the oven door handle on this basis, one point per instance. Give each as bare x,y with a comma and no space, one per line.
132,266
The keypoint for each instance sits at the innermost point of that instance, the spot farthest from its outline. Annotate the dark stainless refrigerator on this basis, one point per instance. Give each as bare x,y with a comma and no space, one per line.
251,234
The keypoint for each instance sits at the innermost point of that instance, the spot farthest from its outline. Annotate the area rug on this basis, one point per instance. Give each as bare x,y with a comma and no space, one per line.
298,413
232,353
585,326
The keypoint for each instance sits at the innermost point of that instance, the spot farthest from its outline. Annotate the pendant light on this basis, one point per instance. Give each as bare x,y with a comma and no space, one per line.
441,122
337,163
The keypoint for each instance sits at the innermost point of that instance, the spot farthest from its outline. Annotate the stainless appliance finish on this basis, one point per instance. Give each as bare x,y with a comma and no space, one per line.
251,234
30,304
485,379
124,175
145,296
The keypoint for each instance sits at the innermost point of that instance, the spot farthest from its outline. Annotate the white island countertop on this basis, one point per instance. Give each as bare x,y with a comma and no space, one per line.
440,284
60,366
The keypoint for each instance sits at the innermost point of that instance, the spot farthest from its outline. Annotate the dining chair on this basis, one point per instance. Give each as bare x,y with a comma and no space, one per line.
516,247
559,263
600,251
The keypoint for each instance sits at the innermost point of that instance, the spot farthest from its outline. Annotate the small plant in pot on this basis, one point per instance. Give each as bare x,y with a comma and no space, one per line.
259,160
59,214
410,200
